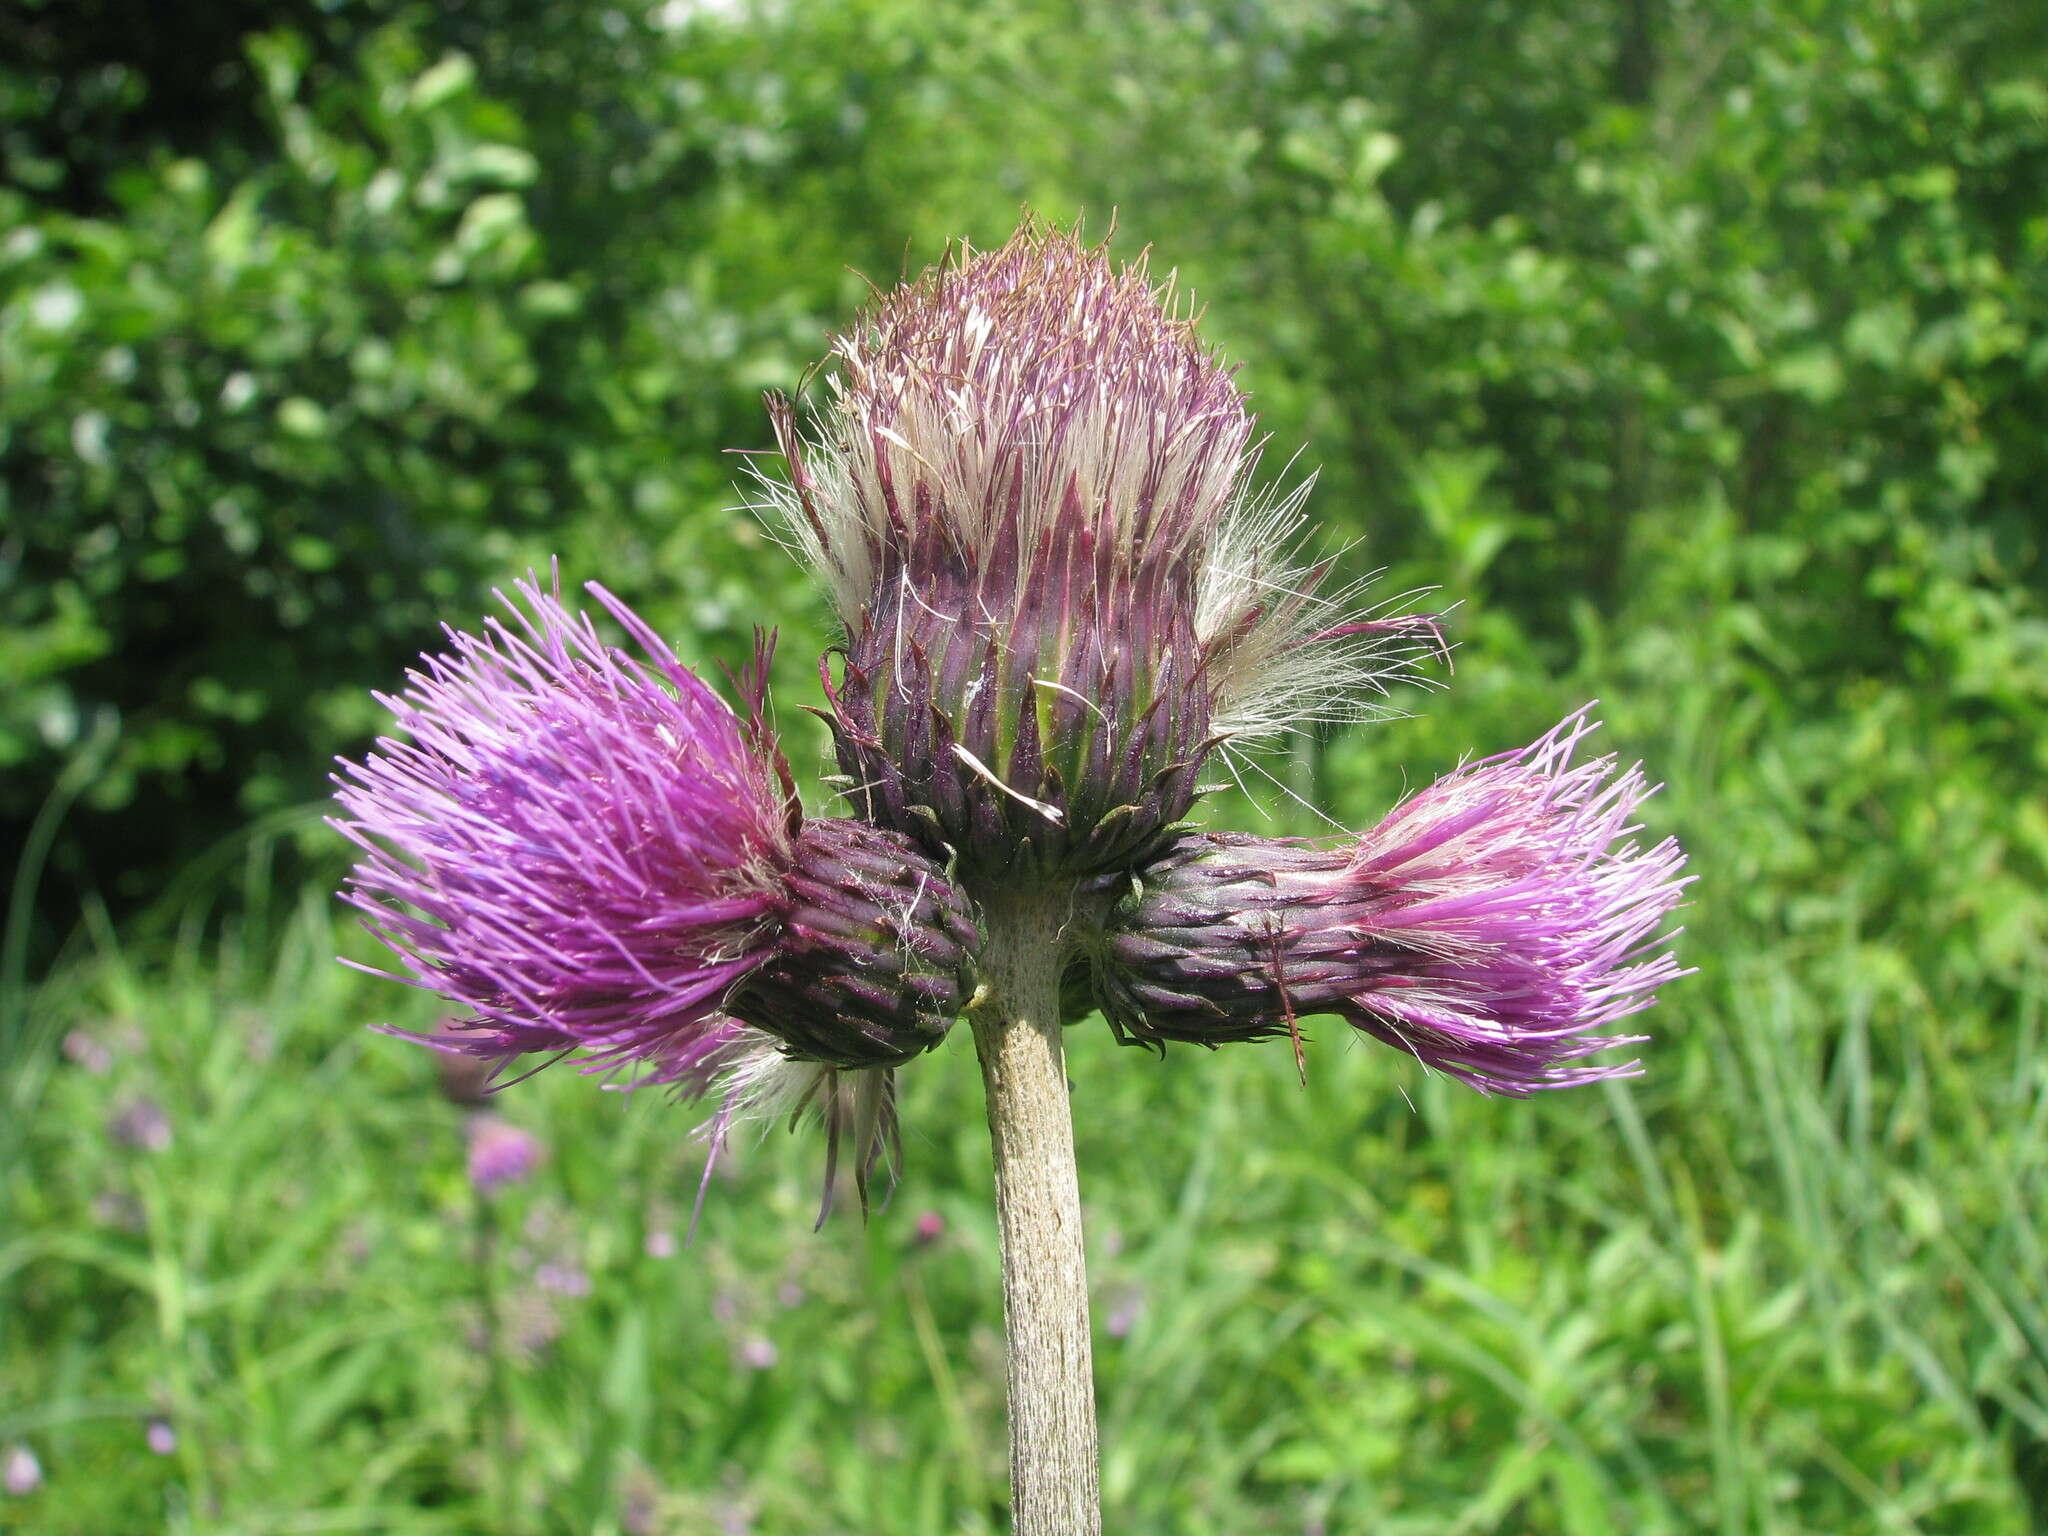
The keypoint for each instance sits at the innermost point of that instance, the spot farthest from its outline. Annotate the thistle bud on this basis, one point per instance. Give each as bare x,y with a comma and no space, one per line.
1487,927
592,852
1027,500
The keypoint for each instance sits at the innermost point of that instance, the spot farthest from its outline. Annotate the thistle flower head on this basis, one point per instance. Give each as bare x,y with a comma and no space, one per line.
1489,926
590,851
1027,498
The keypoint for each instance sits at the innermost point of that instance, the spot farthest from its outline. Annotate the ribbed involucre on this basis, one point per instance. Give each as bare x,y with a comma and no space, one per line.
874,959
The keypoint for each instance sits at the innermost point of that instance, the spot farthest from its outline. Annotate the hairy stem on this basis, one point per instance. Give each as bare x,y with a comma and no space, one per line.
1053,1481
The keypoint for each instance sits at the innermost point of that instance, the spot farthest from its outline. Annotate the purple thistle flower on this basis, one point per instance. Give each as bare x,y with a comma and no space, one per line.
161,1438
500,1154
579,848
1027,500
1487,927
592,852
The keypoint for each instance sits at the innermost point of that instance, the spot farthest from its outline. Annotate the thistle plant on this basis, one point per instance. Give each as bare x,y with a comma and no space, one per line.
1027,493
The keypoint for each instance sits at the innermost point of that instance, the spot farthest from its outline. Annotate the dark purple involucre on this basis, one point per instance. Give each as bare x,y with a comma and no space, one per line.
1027,499
1488,927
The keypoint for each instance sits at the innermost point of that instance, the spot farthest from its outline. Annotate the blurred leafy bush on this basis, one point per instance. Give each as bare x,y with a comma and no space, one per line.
1712,335
281,400
255,434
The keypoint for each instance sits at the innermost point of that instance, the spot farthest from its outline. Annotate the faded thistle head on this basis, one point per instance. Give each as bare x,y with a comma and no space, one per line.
1026,492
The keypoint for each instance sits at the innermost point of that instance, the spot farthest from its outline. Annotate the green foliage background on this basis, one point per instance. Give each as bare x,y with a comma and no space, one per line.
1698,353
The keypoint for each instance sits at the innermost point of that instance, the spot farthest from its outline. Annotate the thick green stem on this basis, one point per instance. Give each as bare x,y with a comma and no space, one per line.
1054,1488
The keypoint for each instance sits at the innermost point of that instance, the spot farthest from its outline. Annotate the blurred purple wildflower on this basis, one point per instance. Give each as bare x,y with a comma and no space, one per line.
87,1050
639,1503
500,1154
142,1124
1125,1312
20,1473
161,1438
118,1209
1487,926
532,1325
563,1279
